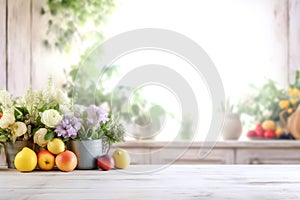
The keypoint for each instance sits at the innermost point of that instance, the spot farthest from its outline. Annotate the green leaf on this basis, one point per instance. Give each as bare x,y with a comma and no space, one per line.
135,109
49,135
3,138
42,12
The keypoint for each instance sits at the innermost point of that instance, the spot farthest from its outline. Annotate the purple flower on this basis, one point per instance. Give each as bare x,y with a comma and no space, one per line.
96,115
69,126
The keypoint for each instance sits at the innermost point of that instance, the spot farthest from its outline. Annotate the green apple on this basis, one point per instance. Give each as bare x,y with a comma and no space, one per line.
121,158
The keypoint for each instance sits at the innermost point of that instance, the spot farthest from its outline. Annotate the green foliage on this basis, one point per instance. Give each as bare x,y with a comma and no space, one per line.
110,132
227,107
296,83
187,132
50,134
82,83
85,89
113,131
69,19
262,102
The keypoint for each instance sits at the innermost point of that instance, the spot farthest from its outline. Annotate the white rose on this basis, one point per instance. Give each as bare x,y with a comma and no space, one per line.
7,119
18,129
39,137
51,118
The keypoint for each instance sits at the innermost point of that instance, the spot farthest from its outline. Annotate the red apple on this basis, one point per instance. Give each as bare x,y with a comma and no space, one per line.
251,134
270,134
66,161
105,162
1,115
259,131
46,160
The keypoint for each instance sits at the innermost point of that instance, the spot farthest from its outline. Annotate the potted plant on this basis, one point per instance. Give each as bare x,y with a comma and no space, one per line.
232,127
87,129
22,118
144,121
261,103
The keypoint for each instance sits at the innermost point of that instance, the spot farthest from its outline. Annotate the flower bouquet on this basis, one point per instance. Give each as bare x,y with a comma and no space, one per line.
36,112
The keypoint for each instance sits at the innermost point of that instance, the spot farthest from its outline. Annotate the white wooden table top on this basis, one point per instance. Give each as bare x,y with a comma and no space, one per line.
174,182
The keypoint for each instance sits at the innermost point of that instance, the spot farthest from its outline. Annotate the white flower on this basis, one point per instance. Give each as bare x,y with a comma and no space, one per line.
51,118
39,137
61,97
31,101
20,102
48,92
5,99
18,129
64,109
7,119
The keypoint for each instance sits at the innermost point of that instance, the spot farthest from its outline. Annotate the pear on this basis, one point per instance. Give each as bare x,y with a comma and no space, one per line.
121,158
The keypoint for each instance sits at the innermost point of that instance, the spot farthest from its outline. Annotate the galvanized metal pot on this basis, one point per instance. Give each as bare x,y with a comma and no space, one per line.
11,149
87,152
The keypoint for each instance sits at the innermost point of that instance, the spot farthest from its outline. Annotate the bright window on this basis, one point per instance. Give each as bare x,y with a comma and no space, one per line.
246,39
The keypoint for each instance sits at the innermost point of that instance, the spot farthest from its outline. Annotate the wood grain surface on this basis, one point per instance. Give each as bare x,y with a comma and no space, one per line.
173,182
2,44
294,35
19,46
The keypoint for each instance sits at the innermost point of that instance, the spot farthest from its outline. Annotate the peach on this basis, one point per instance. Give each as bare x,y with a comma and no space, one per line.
66,161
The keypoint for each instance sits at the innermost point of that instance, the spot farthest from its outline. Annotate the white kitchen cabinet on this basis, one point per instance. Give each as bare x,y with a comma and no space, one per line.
224,152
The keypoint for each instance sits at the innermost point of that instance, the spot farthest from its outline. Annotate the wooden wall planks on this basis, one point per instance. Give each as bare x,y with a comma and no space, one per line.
39,25
2,44
19,46
279,39
45,62
30,64
294,36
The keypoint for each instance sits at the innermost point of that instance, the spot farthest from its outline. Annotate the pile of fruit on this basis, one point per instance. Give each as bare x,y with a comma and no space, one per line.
56,155
268,130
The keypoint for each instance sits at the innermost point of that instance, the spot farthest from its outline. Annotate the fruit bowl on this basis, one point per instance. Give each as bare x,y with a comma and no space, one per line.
268,131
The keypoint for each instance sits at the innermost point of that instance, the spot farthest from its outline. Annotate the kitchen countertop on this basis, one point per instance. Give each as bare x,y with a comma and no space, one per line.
259,143
156,182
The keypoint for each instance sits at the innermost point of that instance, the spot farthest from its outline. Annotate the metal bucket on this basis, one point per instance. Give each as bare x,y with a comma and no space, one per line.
11,149
87,152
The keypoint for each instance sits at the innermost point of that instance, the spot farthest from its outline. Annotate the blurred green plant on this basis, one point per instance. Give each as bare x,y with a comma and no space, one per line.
84,87
262,103
69,20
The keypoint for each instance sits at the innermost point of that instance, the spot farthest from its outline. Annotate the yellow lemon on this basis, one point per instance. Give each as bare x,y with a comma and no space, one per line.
279,131
290,110
25,160
269,125
284,104
293,101
56,146
290,91
295,92
121,158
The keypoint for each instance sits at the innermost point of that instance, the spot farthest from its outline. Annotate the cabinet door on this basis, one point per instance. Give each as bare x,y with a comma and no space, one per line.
191,156
268,156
